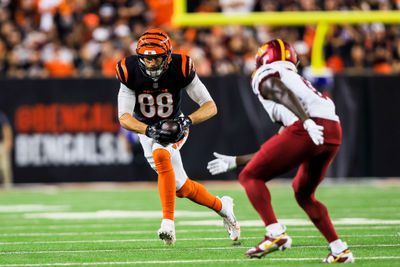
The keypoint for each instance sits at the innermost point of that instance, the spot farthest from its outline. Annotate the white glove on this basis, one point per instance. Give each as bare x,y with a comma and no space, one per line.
315,131
221,164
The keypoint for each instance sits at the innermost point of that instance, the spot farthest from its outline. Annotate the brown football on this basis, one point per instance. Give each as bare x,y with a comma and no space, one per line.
171,126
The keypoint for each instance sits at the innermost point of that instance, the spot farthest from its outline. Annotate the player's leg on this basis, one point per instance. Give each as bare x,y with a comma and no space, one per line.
159,158
196,192
280,154
5,168
186,188
167,191
166,181
277,156
308,177
2,165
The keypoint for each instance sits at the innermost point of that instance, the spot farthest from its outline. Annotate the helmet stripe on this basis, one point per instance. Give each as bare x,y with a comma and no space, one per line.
156,36
152,44
146,42
282,49
155,33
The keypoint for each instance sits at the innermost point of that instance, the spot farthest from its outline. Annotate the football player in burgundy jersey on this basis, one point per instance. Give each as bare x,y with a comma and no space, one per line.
310,139
151,83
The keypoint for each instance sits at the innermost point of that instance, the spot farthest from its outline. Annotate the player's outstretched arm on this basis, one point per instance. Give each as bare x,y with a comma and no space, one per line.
224,163
274,89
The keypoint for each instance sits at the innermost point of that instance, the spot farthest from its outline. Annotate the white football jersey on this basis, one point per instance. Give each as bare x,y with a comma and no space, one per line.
314,103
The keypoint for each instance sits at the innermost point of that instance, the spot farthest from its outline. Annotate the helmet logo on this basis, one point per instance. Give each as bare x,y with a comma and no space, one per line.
287,54
150,52
262,50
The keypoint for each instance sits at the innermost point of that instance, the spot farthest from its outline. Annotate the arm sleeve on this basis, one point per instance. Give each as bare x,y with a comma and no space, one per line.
126,100
198,92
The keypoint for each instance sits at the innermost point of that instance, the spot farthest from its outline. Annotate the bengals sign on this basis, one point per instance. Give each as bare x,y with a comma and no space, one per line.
68,135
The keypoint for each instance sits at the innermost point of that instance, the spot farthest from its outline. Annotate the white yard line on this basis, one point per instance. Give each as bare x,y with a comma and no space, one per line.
164,249
31,208
152,231
131,225
117,214
138,240
190,261
297,222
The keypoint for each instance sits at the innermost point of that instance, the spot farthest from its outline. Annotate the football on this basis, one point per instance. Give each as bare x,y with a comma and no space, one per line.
171,126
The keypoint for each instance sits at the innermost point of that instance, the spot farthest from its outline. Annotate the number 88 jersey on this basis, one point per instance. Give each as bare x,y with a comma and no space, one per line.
161,99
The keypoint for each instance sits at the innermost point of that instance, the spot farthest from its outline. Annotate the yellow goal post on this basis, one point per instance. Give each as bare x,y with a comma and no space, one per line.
320,18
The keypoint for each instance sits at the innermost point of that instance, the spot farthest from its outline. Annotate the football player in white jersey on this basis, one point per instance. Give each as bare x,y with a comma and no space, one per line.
310,138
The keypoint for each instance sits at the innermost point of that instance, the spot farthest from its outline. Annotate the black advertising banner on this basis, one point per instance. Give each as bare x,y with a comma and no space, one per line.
67,130
368,110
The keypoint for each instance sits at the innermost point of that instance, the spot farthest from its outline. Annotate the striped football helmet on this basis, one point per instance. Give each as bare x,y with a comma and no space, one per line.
276,50
154,43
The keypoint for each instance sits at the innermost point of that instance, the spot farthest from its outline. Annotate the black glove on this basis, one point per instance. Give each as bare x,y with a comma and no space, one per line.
166,137
155,132
184,124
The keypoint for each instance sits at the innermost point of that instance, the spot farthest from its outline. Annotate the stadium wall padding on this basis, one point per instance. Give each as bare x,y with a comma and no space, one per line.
66,130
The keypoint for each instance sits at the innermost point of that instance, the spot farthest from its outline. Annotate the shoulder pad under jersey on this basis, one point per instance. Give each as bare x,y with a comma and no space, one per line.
124,68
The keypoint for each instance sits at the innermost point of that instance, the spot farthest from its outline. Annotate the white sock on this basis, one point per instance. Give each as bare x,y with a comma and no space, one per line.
168,222
274,230
338,246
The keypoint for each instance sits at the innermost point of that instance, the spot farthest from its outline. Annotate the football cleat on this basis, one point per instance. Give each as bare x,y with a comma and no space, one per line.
229,219
344,257
270,244
167,232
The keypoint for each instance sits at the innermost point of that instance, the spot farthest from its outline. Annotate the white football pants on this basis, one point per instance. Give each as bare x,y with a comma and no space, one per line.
149,145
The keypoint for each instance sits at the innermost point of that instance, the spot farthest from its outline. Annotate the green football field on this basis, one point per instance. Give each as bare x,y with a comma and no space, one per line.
117,225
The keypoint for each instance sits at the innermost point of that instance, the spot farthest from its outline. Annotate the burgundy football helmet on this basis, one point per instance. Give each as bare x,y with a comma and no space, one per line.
275,50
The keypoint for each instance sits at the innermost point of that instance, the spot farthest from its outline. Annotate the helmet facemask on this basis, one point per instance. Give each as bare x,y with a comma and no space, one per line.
153,72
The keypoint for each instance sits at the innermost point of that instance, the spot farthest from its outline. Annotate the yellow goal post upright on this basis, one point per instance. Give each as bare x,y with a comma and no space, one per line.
320,18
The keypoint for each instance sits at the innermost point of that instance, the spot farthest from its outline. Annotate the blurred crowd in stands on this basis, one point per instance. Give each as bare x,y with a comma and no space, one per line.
79,38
